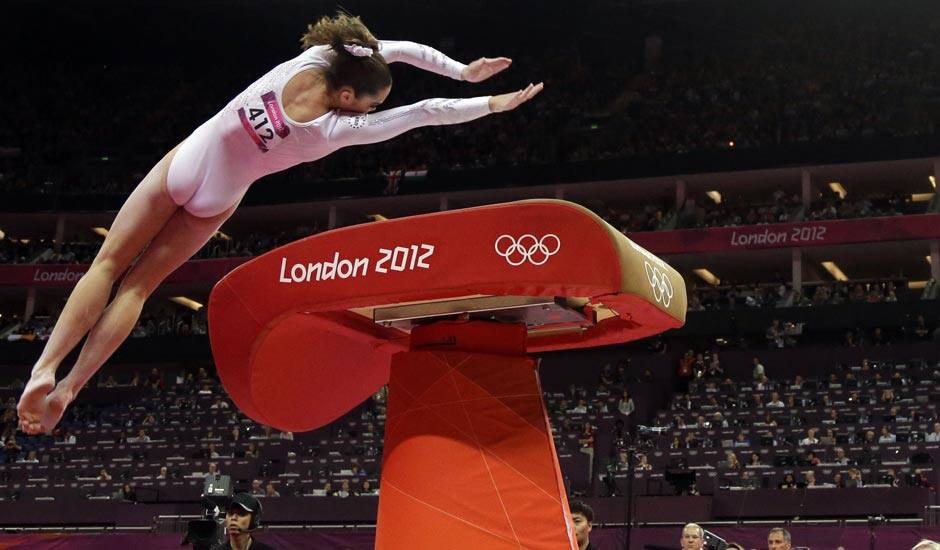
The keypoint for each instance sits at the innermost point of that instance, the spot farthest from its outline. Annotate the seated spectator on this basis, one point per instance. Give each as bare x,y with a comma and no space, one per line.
218,403
126,492
30,458
855,478
270,491
103,475
768,420
163,473
212,471
719,421
838,480
731,461
327,490
891,478
809,478
141,437
586,437
748,481
934,436
366,489
755,460
886,436
887,395
626,405
922,479
642,464
714,369
812,459
775,401
741,440
581,407
810,438
343,489
155,380
256,488
789,482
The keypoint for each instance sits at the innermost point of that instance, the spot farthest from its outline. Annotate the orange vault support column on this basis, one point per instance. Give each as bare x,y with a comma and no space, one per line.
469,457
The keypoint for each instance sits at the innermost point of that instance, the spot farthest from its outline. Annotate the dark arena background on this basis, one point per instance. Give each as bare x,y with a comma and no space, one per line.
782,156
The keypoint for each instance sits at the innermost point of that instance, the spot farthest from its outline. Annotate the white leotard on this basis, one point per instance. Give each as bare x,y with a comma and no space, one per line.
253,137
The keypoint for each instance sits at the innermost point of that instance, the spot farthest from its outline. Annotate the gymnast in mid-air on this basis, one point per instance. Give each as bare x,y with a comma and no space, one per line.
300,111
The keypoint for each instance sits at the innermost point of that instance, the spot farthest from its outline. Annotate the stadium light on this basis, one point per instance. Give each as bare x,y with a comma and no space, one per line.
707,276
714,195
100,231
838,189
927,257
917,285
2,235
834,270
377,218
933,181
922,197
186,302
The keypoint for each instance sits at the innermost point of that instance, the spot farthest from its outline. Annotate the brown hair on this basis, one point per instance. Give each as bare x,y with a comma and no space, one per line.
365,75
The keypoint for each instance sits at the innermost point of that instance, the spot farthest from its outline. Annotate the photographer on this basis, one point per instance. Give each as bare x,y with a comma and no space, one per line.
241,518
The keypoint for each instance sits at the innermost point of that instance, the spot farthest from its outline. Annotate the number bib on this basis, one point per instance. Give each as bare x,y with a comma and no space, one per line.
264,122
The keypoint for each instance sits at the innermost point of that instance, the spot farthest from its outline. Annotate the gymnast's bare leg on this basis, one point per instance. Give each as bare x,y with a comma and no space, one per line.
182,236
141,217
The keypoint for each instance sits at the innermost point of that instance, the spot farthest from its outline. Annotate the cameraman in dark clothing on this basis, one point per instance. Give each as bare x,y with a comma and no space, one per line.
241,518
582,516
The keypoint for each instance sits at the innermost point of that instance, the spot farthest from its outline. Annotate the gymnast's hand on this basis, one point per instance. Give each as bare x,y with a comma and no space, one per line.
508,102
483,68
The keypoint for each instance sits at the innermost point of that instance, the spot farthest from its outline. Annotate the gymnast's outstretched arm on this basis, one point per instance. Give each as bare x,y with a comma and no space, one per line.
347,130
429,59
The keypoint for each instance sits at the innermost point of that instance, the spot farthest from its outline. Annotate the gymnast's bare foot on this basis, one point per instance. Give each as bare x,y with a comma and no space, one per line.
56,403
32,403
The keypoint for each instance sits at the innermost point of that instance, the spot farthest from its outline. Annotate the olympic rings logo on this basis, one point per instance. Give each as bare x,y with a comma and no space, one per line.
661,285
527,248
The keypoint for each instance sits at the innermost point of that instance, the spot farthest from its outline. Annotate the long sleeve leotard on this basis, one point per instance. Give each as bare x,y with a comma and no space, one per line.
253,137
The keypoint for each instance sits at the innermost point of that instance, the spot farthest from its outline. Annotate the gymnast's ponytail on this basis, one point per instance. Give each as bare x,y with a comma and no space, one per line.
357,63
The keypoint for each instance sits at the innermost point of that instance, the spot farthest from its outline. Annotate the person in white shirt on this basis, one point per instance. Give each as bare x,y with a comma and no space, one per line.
810,438
886,436
300,111
775,401
626,405
934,436
758,371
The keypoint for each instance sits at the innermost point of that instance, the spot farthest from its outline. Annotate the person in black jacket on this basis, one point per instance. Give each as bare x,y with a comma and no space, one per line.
582,516
242,517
